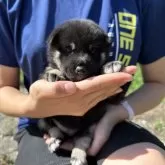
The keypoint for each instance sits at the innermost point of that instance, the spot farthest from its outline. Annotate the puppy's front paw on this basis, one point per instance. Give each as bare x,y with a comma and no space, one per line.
78,157
52,75
113,67
53,144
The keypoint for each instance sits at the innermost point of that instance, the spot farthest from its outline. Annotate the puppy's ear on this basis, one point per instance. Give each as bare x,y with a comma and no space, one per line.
109,40
53,39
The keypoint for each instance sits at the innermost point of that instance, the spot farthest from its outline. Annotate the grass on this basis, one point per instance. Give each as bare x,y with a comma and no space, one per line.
137,82
159,125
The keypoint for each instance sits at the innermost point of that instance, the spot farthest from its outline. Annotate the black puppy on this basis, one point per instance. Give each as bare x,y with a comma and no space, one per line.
77,49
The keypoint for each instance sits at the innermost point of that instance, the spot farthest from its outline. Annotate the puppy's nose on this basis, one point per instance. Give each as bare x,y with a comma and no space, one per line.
80,69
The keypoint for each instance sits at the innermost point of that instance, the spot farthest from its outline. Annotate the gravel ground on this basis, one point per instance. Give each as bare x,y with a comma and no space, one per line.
154,121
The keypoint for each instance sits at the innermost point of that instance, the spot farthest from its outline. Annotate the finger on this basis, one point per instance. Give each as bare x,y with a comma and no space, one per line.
103,81
94,98
96,146
46,136
101,135
111,90
130,69
48,140
57,89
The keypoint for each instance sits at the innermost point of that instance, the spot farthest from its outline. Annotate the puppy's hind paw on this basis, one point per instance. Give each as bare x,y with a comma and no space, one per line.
54,144
75,161
78,157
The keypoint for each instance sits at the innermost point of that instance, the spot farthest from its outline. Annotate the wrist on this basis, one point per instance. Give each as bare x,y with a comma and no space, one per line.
21,109
118,112
121,113
127,107
27,106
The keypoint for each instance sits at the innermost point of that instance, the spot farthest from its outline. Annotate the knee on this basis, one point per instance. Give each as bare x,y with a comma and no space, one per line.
141,153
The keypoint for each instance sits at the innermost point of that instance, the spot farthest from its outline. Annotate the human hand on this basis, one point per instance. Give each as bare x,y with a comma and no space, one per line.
73,98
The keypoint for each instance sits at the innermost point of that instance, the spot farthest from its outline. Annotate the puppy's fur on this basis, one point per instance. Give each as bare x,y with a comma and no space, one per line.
77,49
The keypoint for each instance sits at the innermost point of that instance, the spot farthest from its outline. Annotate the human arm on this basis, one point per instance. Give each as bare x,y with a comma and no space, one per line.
153,90
142,100
11,99
76,99
152,60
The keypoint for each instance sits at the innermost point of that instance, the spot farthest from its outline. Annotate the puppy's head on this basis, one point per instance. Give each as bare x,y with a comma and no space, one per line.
78,48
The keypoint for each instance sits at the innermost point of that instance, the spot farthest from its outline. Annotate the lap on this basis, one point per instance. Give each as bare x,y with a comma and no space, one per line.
126,134
33,150
135,154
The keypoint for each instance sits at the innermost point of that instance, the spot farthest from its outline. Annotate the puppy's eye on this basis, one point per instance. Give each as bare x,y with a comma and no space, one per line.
68,49
92,49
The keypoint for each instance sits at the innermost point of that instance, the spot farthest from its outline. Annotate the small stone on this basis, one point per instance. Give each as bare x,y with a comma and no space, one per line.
7,145
8,126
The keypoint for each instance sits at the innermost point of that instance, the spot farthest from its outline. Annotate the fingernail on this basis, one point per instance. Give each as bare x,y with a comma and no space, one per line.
118,91
70,87
129,80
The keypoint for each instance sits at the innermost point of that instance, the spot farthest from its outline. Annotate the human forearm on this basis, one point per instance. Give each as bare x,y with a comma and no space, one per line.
11,101
17,104
142,100
147,97
48,98
14,103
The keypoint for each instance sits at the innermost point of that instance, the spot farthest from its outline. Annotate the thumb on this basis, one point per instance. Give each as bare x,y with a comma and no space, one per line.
43,88
101,135
98,142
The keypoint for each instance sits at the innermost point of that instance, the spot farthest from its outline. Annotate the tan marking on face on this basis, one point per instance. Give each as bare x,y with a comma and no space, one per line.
84,58
56,58
103,57
73,46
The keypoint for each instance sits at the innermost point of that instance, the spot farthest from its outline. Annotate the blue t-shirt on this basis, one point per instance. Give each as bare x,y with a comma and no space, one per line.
136,26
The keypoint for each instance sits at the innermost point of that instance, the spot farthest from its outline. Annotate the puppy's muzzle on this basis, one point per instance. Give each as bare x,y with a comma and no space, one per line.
80,69
83,63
